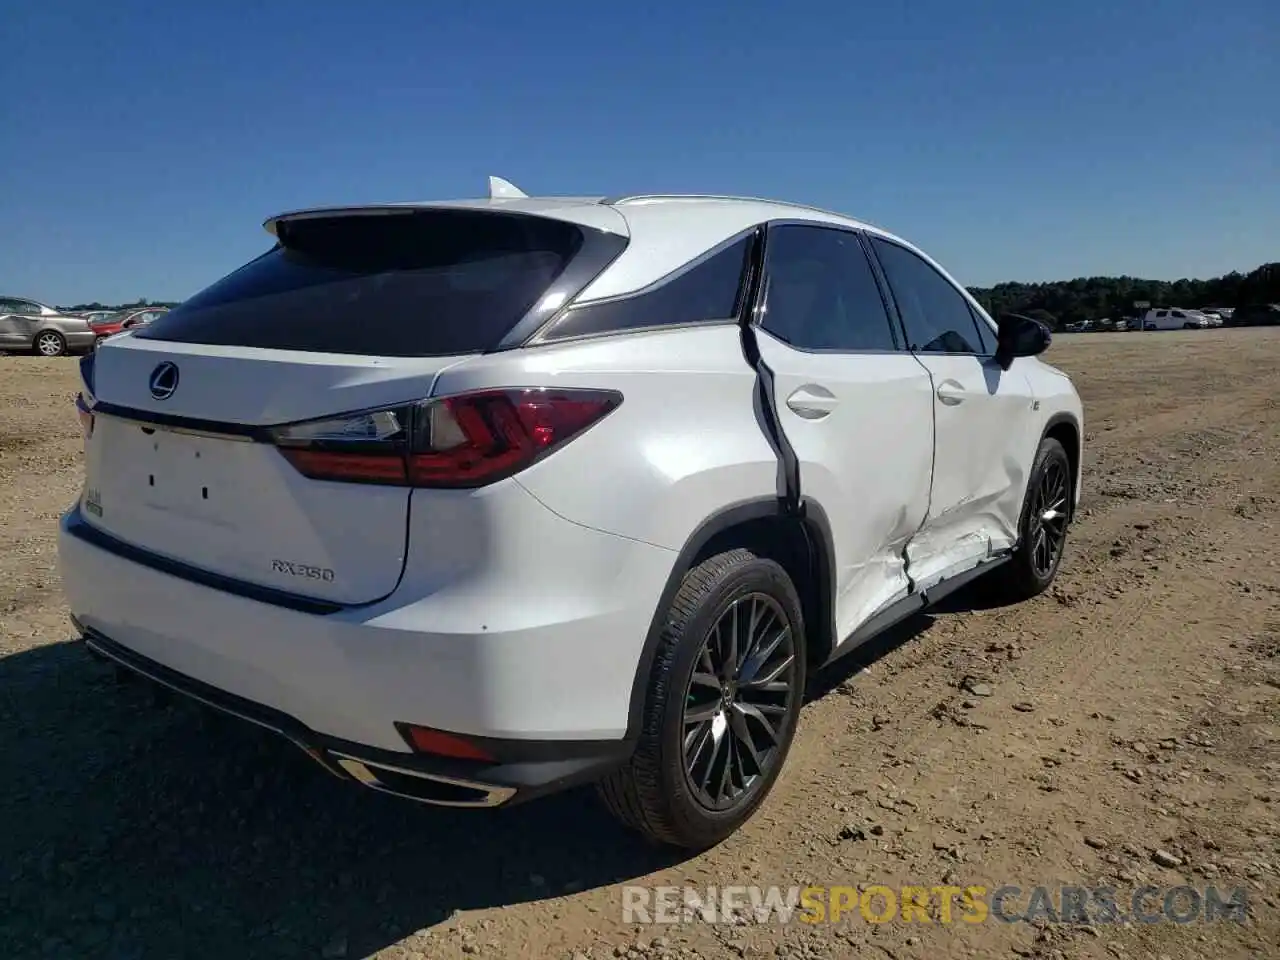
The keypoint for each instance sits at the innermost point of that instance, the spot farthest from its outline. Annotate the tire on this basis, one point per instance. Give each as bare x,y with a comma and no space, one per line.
50,343
1026,575
1190,326
658,792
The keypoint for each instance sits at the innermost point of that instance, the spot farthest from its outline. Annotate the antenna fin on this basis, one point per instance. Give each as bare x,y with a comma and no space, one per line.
500,189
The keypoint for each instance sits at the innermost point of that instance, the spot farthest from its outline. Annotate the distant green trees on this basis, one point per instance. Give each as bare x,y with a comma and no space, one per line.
1092,298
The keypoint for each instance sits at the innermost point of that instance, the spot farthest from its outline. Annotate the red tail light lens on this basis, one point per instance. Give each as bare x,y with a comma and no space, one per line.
463,441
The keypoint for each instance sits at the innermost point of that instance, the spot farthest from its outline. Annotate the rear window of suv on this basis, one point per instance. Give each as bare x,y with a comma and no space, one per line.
418,284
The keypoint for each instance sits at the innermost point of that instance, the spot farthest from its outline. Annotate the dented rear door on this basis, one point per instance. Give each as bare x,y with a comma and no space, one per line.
855,409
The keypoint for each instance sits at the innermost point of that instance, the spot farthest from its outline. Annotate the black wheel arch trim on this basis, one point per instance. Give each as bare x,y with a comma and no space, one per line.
817,531
1059,419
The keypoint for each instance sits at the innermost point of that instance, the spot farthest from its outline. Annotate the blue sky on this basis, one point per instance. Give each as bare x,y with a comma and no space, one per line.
143,144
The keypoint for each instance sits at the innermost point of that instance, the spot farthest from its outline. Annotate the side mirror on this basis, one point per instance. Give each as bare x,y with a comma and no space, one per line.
1020,336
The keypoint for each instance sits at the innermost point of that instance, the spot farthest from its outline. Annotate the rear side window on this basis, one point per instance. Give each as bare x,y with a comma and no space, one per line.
709,290
420,284
820,292
937,318
22,307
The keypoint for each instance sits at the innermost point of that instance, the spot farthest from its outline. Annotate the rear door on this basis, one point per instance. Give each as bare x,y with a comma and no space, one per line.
982,416
18,322
349,314
855,406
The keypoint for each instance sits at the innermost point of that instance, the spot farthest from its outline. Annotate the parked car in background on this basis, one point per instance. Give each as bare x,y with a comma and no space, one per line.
642,465
1171,319
29,325
126,320
1256,315
1214,318
140,318
105,323
1084,326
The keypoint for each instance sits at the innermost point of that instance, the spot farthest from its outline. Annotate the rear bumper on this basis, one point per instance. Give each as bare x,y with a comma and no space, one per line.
80,339
535,661
522,775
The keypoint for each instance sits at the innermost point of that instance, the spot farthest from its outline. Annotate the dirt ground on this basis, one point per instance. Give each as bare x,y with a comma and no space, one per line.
1123,730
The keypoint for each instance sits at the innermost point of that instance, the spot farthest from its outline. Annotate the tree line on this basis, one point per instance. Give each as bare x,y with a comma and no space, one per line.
1094,298
119,307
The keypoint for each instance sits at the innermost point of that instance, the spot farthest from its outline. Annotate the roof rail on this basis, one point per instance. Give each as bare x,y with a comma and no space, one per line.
732,199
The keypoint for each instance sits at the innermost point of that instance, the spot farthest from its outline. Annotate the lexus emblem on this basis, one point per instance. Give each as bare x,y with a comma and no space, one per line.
164,380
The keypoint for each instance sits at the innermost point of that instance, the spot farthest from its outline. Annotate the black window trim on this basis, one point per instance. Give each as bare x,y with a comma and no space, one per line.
542,335
900,343
975,316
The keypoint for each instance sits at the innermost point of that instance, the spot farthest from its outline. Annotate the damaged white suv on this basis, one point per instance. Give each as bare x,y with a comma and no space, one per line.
479,500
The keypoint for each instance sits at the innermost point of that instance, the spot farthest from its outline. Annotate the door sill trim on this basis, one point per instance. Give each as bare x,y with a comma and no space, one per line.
915,602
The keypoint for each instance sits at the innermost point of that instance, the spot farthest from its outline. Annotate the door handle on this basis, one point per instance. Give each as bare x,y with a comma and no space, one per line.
812,402
951,392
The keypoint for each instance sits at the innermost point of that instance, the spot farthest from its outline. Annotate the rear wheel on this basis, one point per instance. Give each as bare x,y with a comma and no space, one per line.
1042,532
720,712
50,343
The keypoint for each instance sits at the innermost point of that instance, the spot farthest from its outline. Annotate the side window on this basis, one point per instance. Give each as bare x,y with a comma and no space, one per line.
1179,314
820,292
708,291
936,316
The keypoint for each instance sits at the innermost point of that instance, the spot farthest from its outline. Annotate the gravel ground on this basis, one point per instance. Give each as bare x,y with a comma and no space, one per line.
1122,730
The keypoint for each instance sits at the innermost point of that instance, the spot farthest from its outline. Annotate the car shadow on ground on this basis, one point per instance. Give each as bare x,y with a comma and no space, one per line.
136,829
132,829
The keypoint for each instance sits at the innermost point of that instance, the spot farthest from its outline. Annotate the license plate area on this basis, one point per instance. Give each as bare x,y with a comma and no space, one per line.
175,472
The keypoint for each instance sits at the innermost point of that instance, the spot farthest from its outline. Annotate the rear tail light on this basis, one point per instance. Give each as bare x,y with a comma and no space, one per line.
85,415
87,365
84,406
467,440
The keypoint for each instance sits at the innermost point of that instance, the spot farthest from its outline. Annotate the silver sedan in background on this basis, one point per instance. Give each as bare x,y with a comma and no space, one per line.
28,325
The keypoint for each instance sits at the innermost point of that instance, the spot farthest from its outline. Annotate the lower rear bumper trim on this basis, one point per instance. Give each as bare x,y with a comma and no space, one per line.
405,779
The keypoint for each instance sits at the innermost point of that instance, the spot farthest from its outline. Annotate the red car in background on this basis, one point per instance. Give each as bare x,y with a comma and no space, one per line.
107,325
104,322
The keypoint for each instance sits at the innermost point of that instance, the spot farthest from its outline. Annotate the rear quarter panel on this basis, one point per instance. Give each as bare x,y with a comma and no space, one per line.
685,442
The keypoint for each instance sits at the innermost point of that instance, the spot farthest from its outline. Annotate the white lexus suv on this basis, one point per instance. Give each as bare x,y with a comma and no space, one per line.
479,500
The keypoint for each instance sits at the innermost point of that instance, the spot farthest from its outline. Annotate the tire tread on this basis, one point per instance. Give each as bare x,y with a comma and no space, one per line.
634,793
